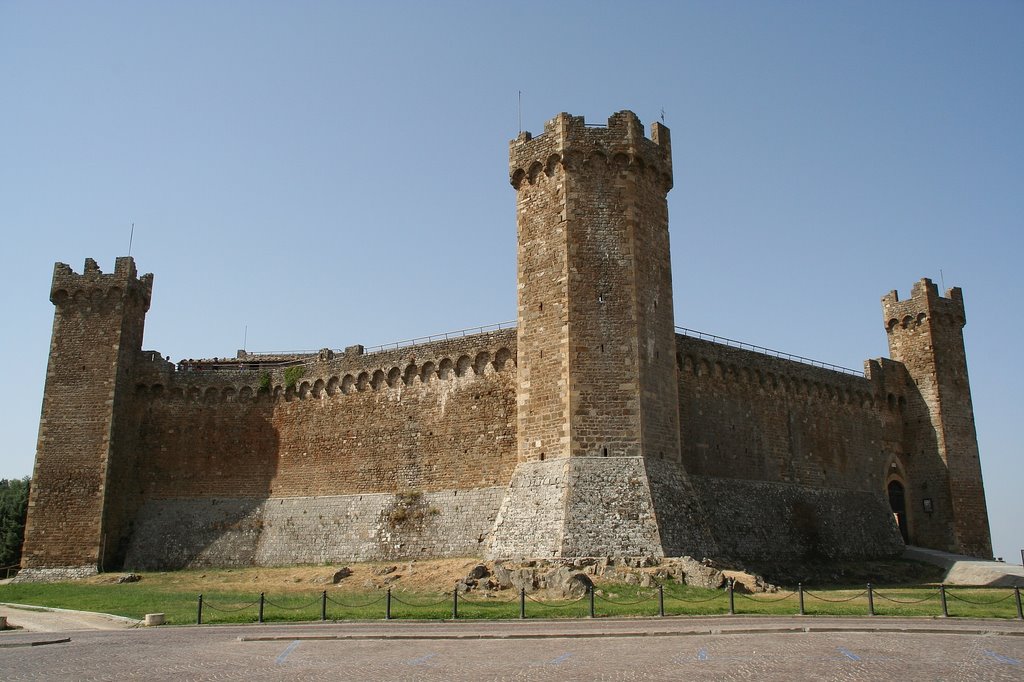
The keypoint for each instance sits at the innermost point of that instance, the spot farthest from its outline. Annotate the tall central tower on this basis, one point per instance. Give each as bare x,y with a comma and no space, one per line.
597,394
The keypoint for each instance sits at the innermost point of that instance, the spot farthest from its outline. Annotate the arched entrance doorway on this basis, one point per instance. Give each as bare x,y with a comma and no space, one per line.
898,505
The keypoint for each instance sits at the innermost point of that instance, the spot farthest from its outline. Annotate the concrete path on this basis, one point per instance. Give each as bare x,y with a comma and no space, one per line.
39,619
966,570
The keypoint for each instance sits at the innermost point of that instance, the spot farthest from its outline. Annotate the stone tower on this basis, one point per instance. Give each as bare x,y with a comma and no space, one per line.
597,394
82,483
945,492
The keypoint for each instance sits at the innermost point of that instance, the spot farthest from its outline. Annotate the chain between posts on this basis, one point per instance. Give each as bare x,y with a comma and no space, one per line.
941,592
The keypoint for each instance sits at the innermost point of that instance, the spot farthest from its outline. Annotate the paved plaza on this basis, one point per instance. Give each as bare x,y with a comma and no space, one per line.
721,648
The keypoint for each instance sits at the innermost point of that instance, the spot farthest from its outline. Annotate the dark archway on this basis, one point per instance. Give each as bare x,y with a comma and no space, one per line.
898,505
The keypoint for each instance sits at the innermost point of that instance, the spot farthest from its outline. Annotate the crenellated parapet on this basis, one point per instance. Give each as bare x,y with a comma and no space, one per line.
924,303
324,376
569,143
93,287
748,373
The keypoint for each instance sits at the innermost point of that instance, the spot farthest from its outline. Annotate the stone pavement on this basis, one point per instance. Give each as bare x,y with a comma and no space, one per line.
721,648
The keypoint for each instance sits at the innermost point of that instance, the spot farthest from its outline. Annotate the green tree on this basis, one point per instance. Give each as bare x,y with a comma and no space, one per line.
13,508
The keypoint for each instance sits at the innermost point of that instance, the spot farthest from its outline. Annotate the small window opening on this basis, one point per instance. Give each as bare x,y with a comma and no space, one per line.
542,307
602,347
605,452
600,298
542,456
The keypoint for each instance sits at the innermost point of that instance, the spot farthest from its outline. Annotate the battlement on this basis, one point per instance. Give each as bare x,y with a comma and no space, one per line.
924,303
569,140
69,285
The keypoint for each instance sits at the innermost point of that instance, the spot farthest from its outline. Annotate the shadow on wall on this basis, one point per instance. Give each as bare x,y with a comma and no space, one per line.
205,468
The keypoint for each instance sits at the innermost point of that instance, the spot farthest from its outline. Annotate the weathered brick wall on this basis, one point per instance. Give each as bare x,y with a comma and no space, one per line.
352,435
74,507
752,416
788,459
925,335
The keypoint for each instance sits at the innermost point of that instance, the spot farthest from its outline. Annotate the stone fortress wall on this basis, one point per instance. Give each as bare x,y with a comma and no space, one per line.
591,428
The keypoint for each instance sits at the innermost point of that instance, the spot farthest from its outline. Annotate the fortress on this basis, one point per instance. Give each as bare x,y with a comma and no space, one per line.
594,427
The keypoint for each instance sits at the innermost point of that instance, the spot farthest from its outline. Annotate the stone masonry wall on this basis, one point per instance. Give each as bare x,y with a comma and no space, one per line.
277,531
433,422
746,415
789,460
764,520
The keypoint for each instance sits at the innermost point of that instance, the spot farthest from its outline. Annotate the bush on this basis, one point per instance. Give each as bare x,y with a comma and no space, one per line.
13,508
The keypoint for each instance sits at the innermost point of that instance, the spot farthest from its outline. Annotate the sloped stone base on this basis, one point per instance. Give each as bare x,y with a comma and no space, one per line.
756,520
583,506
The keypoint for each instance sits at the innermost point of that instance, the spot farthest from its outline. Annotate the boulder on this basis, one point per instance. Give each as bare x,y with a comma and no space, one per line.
341,574
502,577
699,574
478,571
577,585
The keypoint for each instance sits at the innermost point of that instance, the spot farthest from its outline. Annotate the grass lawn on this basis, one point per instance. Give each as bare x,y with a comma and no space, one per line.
232,596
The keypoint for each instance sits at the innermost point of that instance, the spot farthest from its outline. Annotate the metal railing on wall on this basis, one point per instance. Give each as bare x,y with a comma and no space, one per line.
446,336
742,345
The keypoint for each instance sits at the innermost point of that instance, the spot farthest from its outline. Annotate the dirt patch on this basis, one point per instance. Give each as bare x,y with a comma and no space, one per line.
414,576
444,575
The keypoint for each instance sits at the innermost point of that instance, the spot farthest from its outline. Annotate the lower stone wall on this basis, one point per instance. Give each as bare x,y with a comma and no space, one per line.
757,520
180,533
54,575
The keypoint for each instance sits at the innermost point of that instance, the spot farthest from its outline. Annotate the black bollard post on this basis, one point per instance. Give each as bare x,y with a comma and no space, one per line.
661,600
522,602
871,601
732,600
800,591
591,591
1016,593
455,604
323,605
942,598
260,617
199,611
387,606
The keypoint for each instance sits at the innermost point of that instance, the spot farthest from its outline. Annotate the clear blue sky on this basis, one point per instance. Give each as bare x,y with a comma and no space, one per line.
332,173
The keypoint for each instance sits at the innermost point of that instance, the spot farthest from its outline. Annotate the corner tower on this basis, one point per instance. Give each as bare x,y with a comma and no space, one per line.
597,394
925,334
81,483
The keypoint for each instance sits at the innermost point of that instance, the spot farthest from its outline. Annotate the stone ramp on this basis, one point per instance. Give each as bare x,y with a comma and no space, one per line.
967,570
44,619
